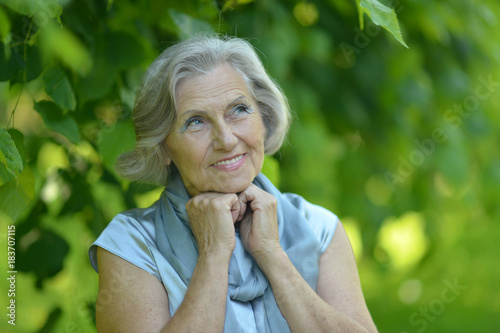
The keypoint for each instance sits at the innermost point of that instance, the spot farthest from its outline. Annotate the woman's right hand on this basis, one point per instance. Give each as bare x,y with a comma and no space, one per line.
212,216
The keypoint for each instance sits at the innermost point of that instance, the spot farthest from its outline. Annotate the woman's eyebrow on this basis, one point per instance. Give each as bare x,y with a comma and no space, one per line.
235,101
188,113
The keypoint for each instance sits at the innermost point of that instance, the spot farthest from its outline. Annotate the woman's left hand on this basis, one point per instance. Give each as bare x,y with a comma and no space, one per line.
259,227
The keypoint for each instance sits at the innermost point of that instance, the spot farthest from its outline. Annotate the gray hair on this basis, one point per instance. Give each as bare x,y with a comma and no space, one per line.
154,111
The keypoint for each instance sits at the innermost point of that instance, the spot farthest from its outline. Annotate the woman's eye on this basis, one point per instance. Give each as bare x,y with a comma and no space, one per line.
194,121
242,109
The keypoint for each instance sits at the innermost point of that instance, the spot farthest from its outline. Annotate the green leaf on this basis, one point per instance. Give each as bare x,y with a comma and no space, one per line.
44,256
11,163
12,66
16,195
232,4
18,139
58,87
4,25
33,63
38,9
55,120
124,50
52,319
19,67
127,97
380,15
99,81
115,142
188,26
62,44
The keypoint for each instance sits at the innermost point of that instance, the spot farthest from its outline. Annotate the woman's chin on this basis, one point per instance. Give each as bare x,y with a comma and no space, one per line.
235,186
222,185
233,189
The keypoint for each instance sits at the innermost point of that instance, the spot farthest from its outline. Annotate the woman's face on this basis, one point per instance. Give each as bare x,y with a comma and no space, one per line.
217,142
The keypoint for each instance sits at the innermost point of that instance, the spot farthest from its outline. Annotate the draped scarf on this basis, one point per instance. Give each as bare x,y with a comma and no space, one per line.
247,283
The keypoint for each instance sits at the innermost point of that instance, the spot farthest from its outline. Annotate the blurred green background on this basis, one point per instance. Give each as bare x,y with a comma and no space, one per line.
401,143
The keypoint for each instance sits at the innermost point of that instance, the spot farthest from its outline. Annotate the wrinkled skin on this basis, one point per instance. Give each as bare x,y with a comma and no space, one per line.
218,121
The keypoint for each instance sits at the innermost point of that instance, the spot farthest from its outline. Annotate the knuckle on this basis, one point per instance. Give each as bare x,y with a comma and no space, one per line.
198,202
271,200
217,202
213,204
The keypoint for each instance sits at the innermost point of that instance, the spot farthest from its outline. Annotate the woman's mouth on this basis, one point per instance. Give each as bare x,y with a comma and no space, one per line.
231,161
230,164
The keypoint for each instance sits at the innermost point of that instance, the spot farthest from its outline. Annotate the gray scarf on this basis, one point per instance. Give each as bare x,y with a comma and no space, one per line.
247,283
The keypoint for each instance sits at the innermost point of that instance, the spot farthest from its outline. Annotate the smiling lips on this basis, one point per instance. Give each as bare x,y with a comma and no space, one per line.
230,164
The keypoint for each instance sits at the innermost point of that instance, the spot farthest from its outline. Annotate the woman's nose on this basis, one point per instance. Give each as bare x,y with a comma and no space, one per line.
224,137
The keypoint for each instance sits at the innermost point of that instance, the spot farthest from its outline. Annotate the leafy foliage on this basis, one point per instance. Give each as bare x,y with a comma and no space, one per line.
401,143
10,158
380,15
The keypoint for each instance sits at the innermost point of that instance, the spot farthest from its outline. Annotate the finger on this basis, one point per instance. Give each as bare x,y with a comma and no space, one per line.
242,207
236,210
247,198
213,201
251,195
248,194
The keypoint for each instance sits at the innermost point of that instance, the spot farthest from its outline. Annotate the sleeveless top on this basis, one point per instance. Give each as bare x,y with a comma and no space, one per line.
147,237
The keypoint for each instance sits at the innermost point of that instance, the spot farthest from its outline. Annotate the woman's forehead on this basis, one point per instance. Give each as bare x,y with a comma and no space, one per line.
221,86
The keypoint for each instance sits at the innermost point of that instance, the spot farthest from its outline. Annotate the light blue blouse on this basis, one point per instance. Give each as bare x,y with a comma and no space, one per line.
131,236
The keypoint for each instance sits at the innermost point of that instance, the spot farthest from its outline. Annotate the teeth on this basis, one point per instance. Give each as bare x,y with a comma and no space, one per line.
231,161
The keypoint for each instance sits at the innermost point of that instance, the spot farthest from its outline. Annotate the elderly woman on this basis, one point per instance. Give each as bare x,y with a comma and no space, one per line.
222,249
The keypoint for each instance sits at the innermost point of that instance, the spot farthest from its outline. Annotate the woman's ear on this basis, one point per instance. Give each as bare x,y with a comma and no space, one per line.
165,154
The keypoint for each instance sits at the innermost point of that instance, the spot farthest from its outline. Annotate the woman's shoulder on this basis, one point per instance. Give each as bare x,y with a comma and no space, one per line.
311,212
134,221
322,221
131,236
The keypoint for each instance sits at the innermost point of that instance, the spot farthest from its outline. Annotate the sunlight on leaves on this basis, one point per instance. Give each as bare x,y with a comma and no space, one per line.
410,291
306,13
404,240
271,169
60,43
377,191
353,232
51,158
4,25
146,199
